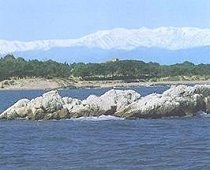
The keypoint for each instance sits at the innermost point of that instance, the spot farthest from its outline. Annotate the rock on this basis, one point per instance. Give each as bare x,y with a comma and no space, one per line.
107,104
37,109
63,114
177,101
37,114
69,103
48,102
111,101
22,112
207,102
19,109
82,110
60,114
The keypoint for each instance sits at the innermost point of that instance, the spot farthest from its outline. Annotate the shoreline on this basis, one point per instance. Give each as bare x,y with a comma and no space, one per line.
50,84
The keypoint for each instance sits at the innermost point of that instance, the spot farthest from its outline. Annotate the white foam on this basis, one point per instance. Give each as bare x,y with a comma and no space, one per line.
202,114
98,118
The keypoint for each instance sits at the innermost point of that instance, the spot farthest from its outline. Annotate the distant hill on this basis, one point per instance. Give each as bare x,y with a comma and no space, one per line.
84,54
166,45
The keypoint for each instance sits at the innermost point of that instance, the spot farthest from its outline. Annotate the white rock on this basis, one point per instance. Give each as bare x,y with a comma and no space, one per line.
177,101
69,103
111,101
15,110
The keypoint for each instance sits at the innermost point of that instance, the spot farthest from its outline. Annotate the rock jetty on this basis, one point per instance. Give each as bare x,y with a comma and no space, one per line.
177,101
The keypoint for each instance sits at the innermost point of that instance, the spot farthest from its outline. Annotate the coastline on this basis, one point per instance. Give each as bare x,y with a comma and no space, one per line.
56,83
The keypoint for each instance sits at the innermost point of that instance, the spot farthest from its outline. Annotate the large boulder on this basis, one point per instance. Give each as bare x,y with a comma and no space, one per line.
18,110
111,102
60,114
49,105
177,101
106,104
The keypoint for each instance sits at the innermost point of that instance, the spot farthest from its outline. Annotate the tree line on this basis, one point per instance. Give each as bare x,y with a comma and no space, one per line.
20,68
112,70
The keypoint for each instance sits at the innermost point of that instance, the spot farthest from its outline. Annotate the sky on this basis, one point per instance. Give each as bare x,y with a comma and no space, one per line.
26,20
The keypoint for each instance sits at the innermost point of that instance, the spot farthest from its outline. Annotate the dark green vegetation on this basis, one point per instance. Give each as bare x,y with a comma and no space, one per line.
128,70
18,67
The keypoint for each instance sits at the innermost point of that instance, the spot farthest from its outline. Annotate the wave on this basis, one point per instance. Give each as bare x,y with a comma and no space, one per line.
202,114
98,118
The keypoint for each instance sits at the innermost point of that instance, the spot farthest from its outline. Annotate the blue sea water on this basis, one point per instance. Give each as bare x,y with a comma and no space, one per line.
103,143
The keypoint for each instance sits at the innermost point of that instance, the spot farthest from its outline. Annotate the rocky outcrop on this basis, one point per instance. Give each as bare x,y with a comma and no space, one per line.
110,102
106,104
48,106
52,106
177,101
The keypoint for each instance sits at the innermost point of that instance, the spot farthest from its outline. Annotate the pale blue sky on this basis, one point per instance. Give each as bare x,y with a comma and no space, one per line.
53,19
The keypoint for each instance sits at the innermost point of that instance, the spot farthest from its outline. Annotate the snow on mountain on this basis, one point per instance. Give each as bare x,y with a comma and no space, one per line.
172,38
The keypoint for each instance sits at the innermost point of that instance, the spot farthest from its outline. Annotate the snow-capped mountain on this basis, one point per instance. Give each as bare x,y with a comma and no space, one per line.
159,45
126,39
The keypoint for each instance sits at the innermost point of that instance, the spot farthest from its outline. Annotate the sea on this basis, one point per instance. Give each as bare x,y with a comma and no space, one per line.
104,142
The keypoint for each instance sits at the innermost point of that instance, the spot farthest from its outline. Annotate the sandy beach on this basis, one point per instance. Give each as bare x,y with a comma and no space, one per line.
48,84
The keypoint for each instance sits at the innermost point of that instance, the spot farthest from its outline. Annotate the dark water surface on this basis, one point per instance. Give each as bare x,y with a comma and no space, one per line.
173,143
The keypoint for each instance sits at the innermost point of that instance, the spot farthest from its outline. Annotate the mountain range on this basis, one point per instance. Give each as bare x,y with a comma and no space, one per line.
166,45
